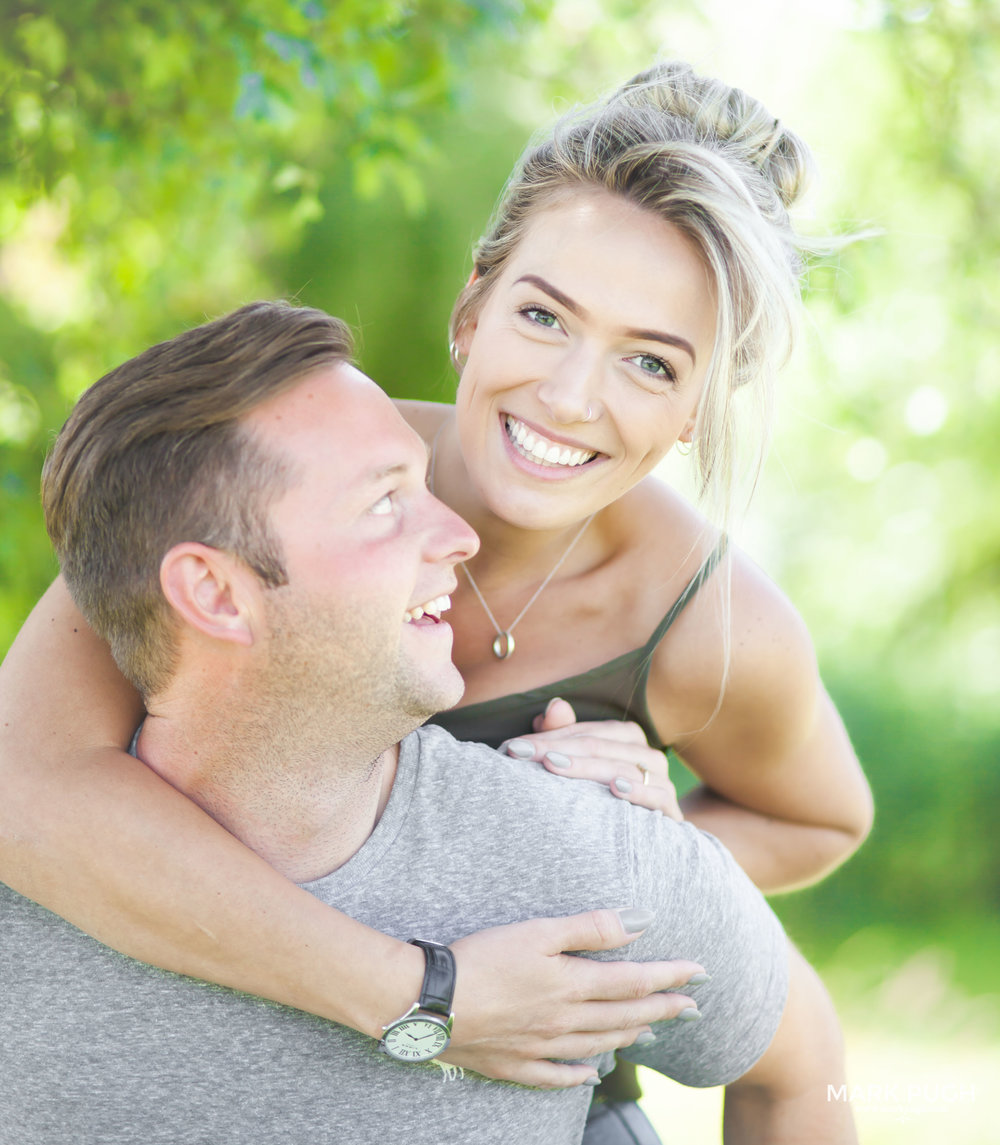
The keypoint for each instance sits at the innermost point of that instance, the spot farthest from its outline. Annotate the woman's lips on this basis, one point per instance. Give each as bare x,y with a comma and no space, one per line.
535,447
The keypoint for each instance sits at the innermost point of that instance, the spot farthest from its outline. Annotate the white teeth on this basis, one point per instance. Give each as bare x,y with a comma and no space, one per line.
544,452
432,608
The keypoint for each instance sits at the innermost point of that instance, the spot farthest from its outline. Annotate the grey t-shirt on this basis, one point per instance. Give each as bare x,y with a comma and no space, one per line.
98,1049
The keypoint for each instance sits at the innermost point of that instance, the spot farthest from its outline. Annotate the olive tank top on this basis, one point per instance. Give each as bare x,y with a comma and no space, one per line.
613,691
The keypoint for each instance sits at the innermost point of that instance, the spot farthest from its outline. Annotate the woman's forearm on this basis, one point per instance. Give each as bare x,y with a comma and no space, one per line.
777,854
95,836
125,857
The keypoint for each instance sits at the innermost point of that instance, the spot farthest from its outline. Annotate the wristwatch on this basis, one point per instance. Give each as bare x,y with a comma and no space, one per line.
424,1031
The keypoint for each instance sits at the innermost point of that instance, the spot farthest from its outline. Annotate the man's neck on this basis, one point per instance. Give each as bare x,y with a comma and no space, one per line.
305,809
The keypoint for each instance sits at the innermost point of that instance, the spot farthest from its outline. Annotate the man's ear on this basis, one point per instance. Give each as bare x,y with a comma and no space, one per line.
210,590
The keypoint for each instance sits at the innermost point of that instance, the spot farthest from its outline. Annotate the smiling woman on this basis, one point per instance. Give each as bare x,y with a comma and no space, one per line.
639,276
603,318
637,285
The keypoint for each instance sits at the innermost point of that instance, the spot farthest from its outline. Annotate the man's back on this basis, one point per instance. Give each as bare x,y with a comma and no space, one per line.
97,1048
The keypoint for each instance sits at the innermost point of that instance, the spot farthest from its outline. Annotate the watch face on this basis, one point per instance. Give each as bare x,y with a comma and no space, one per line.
415,1039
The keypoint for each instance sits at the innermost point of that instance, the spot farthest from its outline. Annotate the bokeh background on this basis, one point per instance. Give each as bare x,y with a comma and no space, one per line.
161,163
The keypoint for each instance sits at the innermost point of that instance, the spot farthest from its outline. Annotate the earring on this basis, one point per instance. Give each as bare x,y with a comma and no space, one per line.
683,447
453,354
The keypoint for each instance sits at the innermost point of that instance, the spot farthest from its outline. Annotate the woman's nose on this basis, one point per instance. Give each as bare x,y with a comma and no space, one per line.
571,391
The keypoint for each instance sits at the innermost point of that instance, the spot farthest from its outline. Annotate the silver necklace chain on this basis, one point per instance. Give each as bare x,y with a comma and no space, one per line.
503,645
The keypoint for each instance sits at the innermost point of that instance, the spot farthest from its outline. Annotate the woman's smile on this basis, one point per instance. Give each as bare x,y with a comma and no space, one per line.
544,449
584,363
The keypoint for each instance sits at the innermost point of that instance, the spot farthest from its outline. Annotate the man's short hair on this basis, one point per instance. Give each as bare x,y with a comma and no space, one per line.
155,454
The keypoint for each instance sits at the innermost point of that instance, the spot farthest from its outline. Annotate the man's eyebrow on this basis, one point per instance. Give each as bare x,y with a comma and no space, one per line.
376,475
632,332
396,468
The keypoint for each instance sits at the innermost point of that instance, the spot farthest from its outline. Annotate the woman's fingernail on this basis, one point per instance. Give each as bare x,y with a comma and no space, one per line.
689,1015
634,919
554,700
622,785
520,749
595,1080
557,759
698,979
645,1038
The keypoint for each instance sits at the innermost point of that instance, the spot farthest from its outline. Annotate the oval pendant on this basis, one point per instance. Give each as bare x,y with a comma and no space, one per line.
503,646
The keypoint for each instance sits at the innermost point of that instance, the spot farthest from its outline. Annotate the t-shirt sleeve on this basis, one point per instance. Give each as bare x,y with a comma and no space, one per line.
707,910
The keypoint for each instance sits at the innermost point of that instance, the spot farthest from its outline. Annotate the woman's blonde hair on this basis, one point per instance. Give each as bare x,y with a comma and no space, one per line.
716,164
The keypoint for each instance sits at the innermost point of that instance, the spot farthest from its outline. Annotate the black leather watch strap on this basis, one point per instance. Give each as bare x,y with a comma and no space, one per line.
438,989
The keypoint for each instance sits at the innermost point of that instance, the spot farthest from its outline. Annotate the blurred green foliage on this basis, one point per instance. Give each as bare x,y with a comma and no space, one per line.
157,163
160,163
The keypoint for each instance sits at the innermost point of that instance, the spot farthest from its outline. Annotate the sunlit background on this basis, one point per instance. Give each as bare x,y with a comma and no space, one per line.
167,162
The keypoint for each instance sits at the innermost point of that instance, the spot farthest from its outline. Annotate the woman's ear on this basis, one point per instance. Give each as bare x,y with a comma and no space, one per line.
687,433
210,590
463,336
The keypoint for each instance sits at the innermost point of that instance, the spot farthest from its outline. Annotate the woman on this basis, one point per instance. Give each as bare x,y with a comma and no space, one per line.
638,279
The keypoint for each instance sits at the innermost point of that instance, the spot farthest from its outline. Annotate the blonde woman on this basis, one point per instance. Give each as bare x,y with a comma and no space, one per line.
637,286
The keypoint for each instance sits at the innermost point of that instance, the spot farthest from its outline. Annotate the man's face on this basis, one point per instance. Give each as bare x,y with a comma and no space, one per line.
365,546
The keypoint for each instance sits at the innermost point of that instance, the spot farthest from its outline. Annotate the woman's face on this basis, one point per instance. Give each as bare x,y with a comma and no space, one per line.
585,362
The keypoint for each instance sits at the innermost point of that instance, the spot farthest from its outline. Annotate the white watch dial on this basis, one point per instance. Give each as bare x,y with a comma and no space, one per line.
416,1040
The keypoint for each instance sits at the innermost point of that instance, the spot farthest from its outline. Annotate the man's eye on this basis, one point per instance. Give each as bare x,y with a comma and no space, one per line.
383,506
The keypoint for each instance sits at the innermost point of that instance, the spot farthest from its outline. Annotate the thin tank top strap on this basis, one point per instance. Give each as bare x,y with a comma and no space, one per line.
708,566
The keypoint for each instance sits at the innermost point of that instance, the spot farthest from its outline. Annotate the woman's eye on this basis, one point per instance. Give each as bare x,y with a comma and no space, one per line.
540,317
655,367
383,506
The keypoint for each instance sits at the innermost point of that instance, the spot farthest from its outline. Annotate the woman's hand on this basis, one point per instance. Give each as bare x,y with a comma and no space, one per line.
521,1001
612,752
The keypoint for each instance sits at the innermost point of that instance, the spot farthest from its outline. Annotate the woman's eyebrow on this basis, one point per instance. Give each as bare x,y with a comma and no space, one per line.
555,293
659,336
632,332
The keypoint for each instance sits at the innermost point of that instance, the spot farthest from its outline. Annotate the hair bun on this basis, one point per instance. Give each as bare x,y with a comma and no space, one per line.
727,120
713,162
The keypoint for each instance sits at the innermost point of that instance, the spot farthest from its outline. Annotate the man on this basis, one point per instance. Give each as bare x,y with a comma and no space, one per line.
244,517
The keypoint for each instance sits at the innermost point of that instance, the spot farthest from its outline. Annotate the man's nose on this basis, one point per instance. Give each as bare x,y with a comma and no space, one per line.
450,538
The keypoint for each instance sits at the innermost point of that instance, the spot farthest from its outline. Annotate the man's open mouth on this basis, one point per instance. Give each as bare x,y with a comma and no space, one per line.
431,610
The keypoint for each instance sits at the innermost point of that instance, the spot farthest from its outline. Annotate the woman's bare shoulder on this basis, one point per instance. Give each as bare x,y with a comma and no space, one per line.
425,417
666,537
654,509
771,662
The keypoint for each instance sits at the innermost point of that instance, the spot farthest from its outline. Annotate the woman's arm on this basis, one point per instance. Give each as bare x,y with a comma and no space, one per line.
782,786
97,837
785,1098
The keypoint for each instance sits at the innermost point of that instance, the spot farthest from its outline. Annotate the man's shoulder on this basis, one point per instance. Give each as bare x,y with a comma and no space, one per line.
464,764
502,798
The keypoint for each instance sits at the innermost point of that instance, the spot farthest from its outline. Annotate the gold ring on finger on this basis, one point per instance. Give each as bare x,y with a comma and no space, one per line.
645,774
